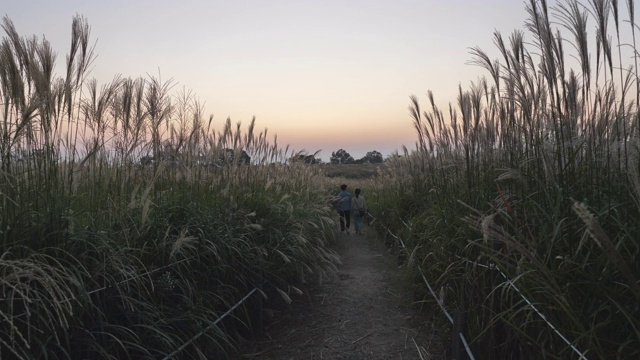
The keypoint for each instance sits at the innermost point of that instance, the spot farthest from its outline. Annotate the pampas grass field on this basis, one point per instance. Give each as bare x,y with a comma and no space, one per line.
130,222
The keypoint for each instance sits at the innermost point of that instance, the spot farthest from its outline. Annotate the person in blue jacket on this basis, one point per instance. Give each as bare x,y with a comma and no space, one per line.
344,208
359,210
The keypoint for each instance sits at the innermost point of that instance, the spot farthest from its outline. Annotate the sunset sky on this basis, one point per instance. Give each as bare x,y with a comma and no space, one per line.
322,75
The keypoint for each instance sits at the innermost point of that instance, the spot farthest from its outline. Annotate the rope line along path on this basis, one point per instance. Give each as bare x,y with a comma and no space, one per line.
491,266
581,355
435,297
215,323
95,291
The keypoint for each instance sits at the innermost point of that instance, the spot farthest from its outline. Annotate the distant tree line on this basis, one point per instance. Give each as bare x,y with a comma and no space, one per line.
343,157
339,157
228,156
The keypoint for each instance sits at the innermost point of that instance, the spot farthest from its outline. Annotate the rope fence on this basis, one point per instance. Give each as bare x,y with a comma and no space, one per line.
440,303
194,338
466,346
533,307
215,323
491,266
455,325
139,276
118,283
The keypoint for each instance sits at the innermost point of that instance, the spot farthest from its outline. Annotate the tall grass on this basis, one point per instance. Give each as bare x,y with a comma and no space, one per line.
129,223
535,169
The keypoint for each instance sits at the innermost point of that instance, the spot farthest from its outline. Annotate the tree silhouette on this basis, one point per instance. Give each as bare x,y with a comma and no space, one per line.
341,157
374,157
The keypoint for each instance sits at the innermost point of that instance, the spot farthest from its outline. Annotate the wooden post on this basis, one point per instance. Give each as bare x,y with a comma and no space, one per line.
459,326
498,330
259,301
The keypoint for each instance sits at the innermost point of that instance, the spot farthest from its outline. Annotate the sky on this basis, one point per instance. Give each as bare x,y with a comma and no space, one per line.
322,75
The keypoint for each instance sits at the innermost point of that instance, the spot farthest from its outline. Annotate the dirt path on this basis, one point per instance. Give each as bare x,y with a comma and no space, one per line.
365,313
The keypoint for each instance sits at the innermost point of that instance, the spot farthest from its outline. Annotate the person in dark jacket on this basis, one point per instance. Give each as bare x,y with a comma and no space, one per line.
344,208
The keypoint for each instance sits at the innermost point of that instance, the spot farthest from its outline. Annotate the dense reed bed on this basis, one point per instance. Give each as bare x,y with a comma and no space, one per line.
129,224
534,170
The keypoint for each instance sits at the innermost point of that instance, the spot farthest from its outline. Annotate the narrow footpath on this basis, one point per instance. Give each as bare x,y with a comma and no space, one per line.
367,312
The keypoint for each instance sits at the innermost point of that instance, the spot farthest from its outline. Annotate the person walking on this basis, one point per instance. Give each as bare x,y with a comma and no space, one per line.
359,208
344,208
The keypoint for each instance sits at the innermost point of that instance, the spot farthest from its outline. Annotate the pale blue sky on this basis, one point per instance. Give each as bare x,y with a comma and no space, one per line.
320,74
